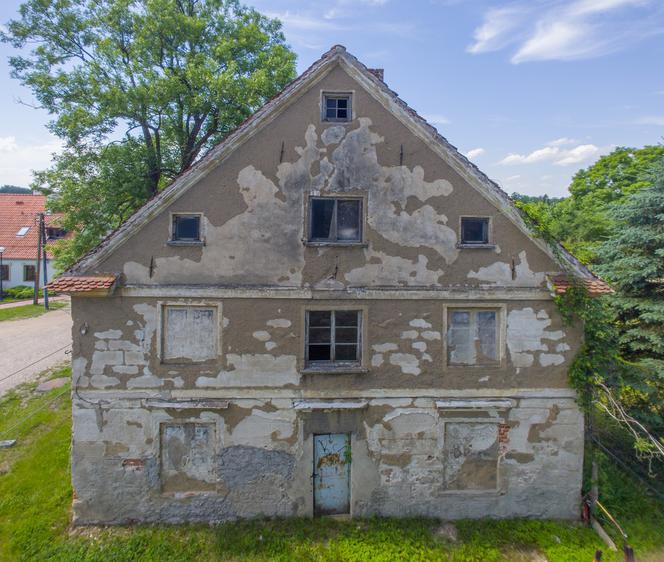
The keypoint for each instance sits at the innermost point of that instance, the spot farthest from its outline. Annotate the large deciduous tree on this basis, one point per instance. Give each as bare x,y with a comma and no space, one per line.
139,90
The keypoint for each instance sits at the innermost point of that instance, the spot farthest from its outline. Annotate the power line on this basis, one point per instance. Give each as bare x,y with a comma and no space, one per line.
34,363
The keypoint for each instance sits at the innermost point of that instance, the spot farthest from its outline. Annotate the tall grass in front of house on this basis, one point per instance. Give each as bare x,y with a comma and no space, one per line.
36,495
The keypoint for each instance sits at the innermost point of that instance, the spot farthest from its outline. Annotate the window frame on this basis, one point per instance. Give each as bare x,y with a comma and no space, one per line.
185,242
5,267
62,233
501,334
489,232
332,367
34,273
218,322
309,241
325,94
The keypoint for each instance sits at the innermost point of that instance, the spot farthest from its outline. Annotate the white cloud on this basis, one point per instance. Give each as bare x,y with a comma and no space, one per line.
657,120
18,158
304,22
567,29
555,155
474,153
562,141
436,118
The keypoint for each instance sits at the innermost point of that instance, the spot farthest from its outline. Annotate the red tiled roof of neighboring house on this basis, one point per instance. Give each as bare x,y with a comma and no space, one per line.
595,286
18,211
81,284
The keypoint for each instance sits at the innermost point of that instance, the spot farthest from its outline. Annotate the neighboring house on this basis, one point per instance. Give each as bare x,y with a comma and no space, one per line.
333,312
19,228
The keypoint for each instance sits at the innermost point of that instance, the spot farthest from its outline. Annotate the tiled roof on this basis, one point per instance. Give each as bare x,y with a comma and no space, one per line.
72,284
19,211
595,286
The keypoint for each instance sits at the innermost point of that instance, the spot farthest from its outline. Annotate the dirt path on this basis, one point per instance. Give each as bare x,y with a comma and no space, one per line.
31,345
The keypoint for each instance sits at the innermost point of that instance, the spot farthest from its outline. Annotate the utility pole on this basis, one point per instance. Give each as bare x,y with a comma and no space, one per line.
35,298
42,233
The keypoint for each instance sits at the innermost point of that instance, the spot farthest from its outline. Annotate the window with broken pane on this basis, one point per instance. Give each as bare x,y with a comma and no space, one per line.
189,333
186,228
474,230
472,337
337,107
335,220
333,337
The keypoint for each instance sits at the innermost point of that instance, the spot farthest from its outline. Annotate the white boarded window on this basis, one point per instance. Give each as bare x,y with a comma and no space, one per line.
472,337
190,333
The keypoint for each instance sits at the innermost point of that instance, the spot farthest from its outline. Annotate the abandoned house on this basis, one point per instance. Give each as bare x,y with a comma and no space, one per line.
333,312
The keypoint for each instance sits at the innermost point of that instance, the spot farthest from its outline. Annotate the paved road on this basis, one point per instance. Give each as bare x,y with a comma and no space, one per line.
28,341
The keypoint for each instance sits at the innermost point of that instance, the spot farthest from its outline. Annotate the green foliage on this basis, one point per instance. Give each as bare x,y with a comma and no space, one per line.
15,189
21,292
140,89
583,221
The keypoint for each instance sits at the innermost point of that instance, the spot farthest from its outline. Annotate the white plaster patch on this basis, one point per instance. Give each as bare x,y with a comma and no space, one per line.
255,370
409,335
547,359
407,362
259,428
109,334
384,347
377,360
500,274
270,345
279,323
148,380
262,335
383,269
431,335
333,135
102,381
420,346
419,323
562,347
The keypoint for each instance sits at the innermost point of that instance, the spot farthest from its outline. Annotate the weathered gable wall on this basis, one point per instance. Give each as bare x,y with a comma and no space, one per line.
255,206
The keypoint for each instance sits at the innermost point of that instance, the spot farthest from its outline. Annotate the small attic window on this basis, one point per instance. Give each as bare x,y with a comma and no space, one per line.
475,231
337,107
23,231
186,228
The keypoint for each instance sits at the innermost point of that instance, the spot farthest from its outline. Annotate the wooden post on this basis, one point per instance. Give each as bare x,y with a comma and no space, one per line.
629,553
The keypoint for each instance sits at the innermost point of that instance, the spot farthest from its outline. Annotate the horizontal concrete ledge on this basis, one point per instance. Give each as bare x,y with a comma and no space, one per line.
291,394
186,404
374,293
310,405
474,404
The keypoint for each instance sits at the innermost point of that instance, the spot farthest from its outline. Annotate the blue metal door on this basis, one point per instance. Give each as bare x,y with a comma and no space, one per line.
332,474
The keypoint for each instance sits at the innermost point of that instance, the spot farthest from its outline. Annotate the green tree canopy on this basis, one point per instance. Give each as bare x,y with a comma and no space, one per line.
583,221
139,90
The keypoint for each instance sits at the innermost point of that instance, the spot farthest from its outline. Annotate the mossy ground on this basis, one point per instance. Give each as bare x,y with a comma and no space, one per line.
36,494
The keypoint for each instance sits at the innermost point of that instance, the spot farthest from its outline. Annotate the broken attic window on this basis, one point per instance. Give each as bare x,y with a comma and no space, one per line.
472,337
474,230
337,107
186,228
335,220
189,333
333,337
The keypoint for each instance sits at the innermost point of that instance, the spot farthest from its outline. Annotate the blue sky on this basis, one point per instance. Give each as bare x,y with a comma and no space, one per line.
531,90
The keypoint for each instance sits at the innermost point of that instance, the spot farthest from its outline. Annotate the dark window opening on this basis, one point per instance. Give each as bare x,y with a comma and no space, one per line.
474,230
4,272
335,220
54,233
337,107
29,273
186,228
333,337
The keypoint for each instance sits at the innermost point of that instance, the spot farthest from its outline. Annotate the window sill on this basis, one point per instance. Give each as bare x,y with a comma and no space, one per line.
329,370
476,246
185,243
323,244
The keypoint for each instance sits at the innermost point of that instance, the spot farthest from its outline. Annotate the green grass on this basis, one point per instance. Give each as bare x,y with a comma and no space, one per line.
28,310
35,499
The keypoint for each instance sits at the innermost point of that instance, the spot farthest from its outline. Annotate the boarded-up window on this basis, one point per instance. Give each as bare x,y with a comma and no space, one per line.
472,337
187,457
189,333
471,456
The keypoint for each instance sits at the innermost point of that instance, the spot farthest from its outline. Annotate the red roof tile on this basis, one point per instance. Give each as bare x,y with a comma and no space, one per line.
19,211
71,284
594,285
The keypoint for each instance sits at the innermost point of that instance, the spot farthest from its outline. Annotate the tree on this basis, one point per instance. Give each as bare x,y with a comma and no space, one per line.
583,221
140,87
15,189
632,259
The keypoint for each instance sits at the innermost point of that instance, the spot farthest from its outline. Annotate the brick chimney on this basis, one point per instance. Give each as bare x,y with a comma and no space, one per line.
378,73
